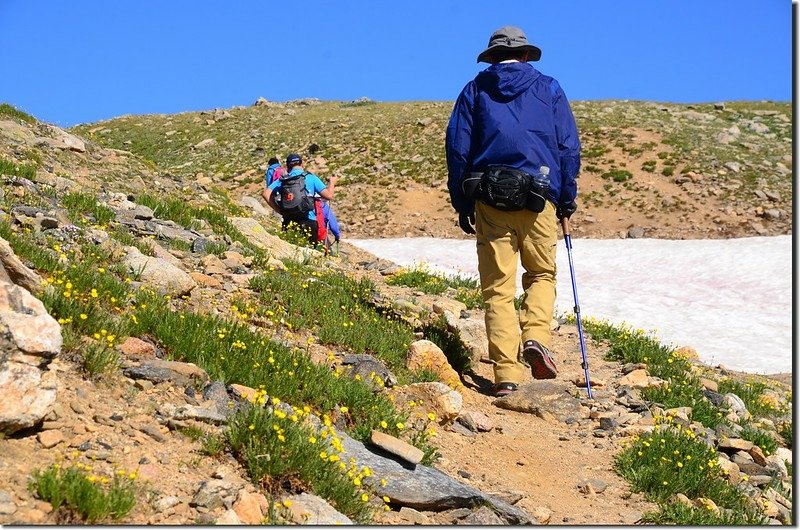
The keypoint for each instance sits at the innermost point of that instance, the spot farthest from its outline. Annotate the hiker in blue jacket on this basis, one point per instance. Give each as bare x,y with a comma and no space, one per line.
513,155
274,172
307,221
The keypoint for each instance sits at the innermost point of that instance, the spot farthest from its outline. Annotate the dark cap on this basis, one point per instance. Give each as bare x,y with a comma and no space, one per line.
509,38
293,159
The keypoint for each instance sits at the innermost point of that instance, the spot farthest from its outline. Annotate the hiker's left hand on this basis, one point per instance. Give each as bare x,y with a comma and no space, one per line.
466,220
566,210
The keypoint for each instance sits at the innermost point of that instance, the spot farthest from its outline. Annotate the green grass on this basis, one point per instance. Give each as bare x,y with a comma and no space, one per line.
83,208
124,236
171,208
760,438
8,167
100,358
753,393
9,111
467,290
628,345
787,432
229,351
617,175
672,460
336,307
91,498
299,456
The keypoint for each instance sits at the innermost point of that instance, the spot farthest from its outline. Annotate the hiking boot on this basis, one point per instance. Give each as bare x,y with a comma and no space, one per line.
503,389
540,360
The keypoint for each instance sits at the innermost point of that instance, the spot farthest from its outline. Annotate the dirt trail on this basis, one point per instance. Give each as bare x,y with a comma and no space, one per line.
546,461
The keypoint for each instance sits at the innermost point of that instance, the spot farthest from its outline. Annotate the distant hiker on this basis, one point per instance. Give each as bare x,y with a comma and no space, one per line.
274,172
292,196
513,155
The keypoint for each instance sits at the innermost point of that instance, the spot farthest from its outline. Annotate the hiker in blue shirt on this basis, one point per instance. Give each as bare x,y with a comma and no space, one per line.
292,196
274,172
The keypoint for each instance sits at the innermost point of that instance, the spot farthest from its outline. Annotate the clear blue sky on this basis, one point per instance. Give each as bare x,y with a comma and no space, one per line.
69,62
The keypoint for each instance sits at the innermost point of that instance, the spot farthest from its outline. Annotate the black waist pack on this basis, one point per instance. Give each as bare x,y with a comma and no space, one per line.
505,188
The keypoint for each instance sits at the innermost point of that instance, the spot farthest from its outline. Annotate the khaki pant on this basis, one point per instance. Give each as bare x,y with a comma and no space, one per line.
504,238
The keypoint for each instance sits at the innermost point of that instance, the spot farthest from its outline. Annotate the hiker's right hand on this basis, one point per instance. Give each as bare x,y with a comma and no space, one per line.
333,180
466,220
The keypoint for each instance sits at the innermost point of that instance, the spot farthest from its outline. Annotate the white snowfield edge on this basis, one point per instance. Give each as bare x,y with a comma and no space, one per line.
729,299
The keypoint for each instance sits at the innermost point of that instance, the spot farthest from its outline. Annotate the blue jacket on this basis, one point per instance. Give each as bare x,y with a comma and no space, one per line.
513,115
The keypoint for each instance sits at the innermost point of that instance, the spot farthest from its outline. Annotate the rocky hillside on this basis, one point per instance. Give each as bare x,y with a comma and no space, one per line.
649,169
170,357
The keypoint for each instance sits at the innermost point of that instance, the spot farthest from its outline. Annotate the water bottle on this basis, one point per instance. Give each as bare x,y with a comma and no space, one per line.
540,190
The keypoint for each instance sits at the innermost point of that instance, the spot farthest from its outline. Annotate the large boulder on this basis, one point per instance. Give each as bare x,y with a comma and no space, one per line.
425,355
164,277
29,339
277,247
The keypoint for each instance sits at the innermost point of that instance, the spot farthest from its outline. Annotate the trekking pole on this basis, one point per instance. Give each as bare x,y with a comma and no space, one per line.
585,363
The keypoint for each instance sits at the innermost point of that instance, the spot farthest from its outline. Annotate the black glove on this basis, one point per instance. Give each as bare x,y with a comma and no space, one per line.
566,210
466,220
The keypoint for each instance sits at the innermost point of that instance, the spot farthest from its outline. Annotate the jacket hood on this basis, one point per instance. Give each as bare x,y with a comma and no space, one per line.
506,81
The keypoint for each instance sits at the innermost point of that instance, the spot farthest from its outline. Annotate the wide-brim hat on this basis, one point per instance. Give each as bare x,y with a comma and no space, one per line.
509,38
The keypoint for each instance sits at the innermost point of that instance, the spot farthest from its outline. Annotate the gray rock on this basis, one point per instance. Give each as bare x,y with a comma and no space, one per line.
736,167
217,393
204,143
422,487
592,485
160,371
546,399
199,245
308,509
397,447
459,428
365,365
165,503
143,212
278,248
192,412
7,505
736,404
608,424
483,516
161,275
150,430
255,205
635,232
216,493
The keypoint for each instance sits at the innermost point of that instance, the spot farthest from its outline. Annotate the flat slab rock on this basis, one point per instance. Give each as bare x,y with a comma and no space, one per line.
159,371
546,399
422,487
